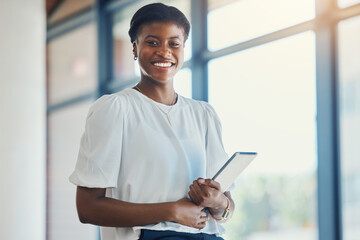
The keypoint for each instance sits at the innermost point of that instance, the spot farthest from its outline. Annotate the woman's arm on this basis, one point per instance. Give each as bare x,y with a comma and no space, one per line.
207,193
93,207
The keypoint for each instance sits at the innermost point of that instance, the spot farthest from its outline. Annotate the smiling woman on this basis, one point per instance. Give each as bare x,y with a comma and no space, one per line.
148,153
160,49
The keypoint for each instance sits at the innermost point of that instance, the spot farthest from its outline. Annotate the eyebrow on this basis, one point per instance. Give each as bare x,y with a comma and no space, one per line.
153,36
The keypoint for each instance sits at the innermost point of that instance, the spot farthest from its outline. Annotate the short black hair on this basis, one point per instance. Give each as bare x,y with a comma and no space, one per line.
157,12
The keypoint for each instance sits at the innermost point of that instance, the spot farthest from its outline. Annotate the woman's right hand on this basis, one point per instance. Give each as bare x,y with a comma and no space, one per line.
189,214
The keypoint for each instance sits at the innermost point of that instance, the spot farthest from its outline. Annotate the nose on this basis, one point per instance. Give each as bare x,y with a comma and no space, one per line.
164,51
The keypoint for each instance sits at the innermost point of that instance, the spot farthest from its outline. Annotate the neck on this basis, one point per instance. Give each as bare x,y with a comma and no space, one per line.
164,94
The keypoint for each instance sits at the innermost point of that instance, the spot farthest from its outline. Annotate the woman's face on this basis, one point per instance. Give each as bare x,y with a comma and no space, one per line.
160,50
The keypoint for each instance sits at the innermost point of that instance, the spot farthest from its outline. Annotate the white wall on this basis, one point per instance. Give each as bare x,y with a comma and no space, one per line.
22,119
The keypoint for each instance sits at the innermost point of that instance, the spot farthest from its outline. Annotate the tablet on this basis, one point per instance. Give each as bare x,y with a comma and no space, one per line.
232,169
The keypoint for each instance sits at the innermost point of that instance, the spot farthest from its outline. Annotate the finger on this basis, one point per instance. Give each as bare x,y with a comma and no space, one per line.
201,224
203,221
203,189
193,197
196,182
198,191
204,218
195,193
198,187
200,180
214,184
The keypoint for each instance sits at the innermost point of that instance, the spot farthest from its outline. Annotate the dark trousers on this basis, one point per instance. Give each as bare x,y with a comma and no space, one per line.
172,235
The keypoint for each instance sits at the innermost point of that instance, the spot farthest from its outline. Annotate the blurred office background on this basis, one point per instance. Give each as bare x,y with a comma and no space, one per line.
283,75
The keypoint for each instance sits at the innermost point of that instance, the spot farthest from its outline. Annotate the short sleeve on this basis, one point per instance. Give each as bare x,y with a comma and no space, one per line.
215,152
99,157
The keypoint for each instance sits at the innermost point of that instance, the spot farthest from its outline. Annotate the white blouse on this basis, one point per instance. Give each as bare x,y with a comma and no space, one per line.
130,148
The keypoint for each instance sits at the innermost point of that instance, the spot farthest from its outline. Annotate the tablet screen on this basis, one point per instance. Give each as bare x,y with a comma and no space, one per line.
233,168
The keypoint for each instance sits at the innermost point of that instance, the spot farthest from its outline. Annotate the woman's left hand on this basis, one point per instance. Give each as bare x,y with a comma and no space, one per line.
207,193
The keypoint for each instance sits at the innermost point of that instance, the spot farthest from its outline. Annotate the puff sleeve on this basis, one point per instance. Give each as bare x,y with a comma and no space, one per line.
99,157
215,152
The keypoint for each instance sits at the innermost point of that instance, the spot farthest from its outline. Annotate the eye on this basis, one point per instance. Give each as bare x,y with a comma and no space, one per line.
174,44
152,43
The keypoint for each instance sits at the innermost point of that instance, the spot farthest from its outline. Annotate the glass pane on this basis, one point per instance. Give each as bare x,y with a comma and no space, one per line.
214,4
125,68
65,128
72,64
349,96
242,20
347,3
182,82
68,8
265,97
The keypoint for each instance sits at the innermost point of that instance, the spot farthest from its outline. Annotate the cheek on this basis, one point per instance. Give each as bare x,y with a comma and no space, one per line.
180,54
143,52
143,57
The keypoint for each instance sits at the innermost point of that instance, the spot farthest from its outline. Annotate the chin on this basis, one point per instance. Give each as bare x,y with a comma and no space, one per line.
161,79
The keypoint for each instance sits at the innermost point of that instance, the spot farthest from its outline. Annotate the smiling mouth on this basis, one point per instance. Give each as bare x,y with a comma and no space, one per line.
163,64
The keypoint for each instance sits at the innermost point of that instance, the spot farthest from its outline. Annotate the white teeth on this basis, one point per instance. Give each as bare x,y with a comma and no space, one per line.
159,64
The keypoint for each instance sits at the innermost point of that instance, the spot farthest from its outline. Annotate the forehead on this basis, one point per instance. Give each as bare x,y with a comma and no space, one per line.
161,29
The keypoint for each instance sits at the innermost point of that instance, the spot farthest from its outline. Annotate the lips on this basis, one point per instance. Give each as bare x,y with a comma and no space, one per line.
163,64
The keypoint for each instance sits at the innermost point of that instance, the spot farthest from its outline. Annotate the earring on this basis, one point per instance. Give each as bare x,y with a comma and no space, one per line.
135,58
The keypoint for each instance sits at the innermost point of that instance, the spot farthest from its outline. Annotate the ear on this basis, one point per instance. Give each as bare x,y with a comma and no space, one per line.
134,49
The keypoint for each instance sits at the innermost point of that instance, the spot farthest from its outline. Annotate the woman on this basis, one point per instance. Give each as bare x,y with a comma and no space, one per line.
147,153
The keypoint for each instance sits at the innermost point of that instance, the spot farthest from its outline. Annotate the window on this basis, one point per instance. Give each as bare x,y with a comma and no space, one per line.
65,128
72,73
72,64
238,21
69,8
265,97
347,3
182,82
349,82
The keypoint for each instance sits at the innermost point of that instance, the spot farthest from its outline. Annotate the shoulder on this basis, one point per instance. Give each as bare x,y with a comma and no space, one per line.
200,106
113,104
